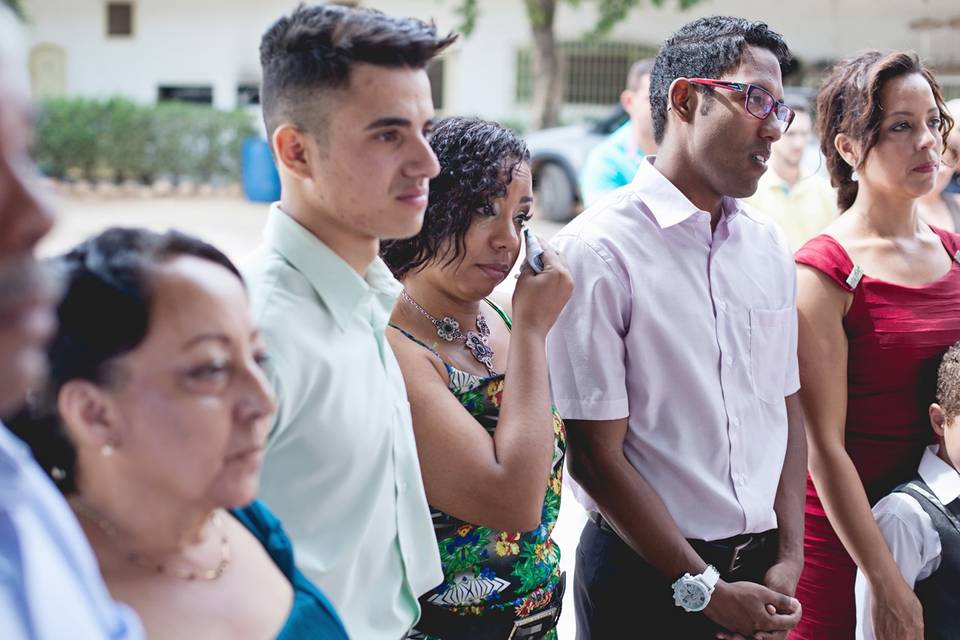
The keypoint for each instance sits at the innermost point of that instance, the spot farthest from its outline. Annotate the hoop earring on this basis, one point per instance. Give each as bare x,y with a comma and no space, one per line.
854,176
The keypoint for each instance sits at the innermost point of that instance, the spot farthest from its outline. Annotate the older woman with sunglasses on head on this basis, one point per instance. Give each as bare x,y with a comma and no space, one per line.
491,447
153,424
879,304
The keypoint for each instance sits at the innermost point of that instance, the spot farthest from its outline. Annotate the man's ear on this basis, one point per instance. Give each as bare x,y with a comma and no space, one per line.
682,99
847,148
626,100
88,415
938,419
292,149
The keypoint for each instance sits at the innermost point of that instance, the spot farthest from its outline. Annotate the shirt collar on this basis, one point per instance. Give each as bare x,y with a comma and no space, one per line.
667,203
13,452
942,478
338,285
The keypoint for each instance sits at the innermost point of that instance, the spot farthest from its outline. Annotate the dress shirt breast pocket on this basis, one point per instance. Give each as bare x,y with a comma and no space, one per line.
769,344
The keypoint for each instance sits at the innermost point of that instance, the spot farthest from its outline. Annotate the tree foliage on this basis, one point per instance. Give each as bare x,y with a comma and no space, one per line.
15,5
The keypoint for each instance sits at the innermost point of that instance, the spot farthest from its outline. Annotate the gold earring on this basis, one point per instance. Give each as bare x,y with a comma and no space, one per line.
106,450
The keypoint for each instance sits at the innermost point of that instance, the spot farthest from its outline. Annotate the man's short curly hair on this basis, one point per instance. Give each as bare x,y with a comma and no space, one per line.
948,382
478,159
707,48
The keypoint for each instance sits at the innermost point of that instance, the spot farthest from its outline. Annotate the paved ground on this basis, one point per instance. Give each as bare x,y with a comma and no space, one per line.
234,225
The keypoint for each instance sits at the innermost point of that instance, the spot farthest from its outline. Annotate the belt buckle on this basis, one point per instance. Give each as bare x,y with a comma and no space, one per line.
519,625
735,563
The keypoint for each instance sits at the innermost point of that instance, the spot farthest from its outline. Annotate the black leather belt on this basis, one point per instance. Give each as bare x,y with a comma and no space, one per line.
726,555
493,625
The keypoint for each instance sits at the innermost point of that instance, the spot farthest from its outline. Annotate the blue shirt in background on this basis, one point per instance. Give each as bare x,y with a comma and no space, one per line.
610,165
50,585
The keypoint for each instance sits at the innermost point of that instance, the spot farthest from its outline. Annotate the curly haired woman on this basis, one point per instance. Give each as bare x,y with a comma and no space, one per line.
491,451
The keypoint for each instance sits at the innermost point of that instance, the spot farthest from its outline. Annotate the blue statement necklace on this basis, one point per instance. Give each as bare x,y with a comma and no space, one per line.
477,342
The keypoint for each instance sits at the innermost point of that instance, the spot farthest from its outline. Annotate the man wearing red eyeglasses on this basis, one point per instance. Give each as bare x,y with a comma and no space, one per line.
675,363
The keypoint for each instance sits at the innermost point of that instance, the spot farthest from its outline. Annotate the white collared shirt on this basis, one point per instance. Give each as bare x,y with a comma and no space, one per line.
692,335
909,532
341,467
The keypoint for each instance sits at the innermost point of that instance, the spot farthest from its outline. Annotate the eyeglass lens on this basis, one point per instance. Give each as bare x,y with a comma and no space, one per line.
760,104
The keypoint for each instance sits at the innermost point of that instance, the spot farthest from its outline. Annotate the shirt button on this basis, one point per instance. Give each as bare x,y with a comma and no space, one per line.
722,305
736,422
729,361
402,487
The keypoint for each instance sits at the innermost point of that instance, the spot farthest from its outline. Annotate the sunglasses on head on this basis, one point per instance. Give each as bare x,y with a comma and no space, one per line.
757,101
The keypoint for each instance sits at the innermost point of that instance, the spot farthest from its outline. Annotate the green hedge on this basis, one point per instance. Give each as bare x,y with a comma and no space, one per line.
119,139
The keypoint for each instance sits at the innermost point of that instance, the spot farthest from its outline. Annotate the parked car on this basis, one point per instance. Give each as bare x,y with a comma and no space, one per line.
556,157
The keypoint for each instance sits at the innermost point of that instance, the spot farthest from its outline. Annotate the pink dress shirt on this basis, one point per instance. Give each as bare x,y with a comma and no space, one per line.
692,336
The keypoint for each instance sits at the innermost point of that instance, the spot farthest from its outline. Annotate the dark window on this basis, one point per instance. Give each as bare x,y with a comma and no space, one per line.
119,19
196,94
593,72
435,73
248,94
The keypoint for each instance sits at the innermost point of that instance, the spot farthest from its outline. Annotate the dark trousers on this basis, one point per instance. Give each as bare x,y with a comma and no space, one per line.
619,596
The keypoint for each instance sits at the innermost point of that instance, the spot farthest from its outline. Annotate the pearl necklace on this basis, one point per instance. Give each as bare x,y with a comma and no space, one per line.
477,342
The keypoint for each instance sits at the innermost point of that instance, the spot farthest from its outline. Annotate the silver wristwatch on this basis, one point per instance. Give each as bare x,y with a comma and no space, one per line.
692,593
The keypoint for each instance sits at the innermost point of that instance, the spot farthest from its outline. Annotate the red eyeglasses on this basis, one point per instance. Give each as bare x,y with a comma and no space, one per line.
758,101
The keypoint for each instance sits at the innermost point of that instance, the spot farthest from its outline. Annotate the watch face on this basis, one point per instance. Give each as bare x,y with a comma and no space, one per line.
692,595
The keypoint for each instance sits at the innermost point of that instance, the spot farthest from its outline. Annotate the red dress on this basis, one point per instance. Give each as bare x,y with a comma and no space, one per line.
897,335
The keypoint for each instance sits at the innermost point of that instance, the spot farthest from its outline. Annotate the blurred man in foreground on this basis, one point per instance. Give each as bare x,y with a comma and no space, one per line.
50,586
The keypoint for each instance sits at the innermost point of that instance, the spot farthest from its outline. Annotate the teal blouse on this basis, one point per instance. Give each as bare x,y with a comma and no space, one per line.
312,615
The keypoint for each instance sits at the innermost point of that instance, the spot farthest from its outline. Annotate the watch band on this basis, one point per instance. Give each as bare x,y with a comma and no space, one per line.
710,576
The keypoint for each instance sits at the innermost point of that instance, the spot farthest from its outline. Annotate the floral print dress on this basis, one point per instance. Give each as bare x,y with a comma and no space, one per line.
483,569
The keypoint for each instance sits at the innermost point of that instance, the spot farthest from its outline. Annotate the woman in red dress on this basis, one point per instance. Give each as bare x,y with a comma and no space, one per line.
879,303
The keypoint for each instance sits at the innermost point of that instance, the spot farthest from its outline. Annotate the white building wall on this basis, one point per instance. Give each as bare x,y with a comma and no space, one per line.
816,30
214,42
177,42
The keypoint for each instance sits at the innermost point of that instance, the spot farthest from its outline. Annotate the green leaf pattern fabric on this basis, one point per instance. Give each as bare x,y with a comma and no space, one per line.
486,569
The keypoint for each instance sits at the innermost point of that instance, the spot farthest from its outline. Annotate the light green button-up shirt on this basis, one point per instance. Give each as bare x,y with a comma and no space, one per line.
341,466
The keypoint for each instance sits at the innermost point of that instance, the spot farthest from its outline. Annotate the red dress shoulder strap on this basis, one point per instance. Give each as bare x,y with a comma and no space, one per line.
828,256
951,241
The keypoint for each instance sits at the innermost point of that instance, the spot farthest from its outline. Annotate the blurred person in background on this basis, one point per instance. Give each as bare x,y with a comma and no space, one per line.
153,424
613,163
941,207
802,205
50,586
347,105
